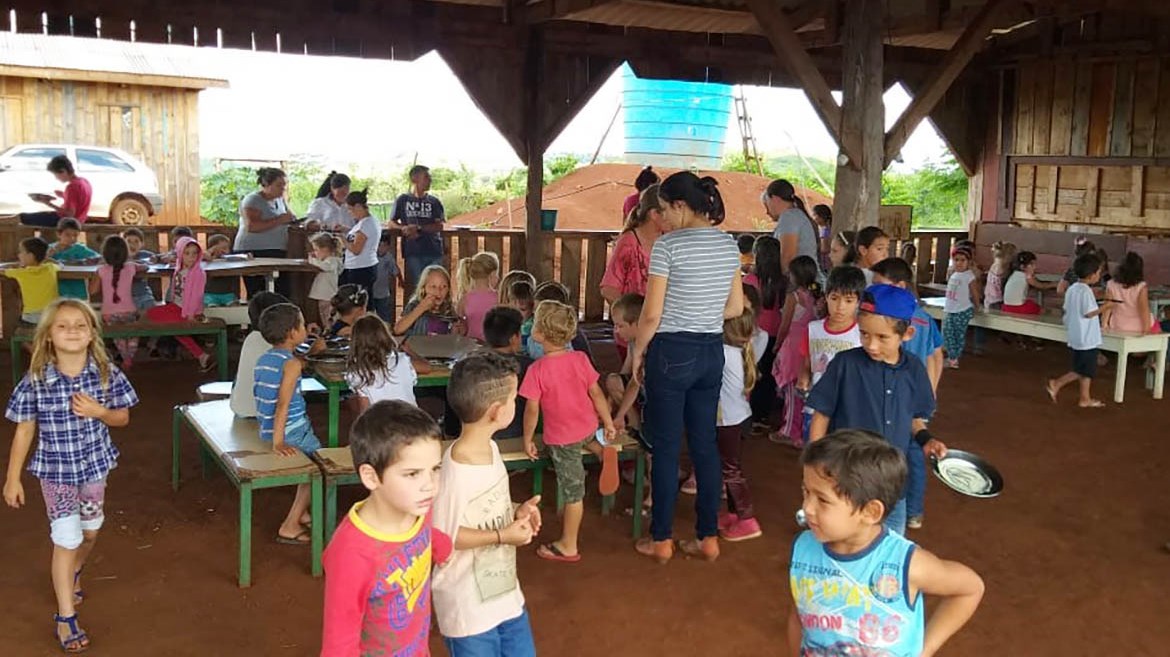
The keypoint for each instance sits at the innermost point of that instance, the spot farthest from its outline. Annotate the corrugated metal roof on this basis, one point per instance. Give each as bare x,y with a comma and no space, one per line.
62,55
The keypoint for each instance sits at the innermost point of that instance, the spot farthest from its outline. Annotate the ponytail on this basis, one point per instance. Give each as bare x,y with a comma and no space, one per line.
750,371
478,267
462,277
701,195
326,186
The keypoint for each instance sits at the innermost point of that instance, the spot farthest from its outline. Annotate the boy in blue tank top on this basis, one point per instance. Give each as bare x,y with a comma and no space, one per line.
857,587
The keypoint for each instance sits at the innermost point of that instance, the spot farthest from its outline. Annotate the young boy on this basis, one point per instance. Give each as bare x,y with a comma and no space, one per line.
879,387
176,233
143,296
835,333
387,276
378,564
68,250
621,388
220,290
36,277
746,242
477,594
856,586
243,401
1083,324
501,332
280,407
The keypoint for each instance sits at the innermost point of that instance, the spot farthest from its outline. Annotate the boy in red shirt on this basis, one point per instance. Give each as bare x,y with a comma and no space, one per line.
378,565
74,203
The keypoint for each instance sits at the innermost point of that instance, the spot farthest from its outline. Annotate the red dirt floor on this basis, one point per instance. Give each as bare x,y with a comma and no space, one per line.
1071,553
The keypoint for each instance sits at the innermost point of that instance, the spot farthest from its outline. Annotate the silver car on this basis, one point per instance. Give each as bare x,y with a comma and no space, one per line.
125,191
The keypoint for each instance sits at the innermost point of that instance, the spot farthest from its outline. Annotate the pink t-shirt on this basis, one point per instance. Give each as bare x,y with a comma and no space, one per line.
630,203
768,319
476,305
560,383
125,302
629,265
77,196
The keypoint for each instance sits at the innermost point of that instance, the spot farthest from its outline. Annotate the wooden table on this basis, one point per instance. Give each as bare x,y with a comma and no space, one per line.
436,378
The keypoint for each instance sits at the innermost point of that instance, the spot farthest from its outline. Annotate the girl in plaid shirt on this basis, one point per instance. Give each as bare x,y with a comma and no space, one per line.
70,397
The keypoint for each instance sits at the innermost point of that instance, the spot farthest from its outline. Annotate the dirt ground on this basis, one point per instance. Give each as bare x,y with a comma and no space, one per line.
1071,552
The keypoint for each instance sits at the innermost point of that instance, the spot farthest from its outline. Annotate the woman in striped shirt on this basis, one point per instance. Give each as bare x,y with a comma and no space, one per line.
694,284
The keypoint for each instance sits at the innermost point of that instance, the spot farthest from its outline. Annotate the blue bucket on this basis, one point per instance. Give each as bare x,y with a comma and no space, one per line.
548,220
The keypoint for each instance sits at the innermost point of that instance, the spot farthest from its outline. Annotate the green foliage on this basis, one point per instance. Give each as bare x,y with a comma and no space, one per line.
791,168
221,192
938,193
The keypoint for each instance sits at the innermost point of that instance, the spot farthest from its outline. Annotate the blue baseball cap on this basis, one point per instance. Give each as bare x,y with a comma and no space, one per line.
889,301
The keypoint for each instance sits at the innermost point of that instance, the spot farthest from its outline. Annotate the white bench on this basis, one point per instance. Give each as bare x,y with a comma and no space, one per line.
1051,327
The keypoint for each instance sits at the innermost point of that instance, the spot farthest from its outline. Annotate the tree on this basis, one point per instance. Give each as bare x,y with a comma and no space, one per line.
937,192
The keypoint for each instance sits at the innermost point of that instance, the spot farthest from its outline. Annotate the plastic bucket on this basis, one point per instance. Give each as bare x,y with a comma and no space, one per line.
548,220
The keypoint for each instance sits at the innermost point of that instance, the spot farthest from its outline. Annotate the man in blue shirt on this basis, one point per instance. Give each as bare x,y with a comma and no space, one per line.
421,217
878,386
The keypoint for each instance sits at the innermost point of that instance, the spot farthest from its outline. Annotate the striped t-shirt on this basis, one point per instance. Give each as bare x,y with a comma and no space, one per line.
698,264
269,372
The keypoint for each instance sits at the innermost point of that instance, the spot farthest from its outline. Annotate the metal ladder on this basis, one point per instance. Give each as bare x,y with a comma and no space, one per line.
751,155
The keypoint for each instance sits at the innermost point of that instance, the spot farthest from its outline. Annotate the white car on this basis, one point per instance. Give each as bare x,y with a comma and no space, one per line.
125,191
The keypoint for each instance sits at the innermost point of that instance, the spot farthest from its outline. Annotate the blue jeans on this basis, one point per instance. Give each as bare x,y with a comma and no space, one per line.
915,481
416,263
683,375
512,638
896,521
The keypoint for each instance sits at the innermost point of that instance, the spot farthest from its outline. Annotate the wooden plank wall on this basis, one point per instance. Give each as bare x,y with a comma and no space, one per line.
158,125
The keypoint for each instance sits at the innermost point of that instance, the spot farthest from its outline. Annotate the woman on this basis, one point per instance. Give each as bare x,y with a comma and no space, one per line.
794,228
329,207
361,247
264,221
694,284
629,264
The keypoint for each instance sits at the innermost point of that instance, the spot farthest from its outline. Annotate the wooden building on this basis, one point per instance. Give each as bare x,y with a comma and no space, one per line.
141,98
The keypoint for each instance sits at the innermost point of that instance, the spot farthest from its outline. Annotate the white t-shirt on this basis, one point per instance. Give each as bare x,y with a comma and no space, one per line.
868,276
1083,332
325,284
478,589
759,343
1015,291
824,345
399,385
733,403
330,213
369,255
959,292
243,401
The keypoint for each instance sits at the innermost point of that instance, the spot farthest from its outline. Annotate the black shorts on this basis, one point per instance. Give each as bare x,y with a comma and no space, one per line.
1084,362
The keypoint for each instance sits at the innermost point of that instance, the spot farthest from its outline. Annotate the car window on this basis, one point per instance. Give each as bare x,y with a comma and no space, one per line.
32,159
89,160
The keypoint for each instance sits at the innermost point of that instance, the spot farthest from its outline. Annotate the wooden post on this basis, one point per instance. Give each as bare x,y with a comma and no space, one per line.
858,189
534,145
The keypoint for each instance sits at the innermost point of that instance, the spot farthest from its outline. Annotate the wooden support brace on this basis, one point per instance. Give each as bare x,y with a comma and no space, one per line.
1053,187
1137,192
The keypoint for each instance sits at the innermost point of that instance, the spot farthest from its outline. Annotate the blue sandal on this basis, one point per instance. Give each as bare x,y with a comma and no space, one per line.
77,641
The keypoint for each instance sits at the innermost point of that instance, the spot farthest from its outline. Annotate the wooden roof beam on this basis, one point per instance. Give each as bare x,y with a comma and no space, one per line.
551,10
956,59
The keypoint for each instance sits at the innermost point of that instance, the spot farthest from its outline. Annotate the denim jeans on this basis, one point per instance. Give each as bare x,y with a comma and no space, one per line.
896,521
683,375
915,481
364,278
416,263
512,638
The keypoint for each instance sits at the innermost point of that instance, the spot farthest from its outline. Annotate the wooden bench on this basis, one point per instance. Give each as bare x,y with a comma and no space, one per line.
250,464
1050,326
138,329
337,465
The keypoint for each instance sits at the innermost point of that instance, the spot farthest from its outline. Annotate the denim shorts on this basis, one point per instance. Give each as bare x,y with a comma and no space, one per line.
302,437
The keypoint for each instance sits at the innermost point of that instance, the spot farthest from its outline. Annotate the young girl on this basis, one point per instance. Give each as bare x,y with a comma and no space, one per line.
1003,254
773,288
1130,297
143,295
1081,246
326,248
477,277
361,245
841,249
376,370
349,305
184,296
962,299
871,247
508,289
1021,278
115,281
823,216
799,310
429,311
69,398
734,425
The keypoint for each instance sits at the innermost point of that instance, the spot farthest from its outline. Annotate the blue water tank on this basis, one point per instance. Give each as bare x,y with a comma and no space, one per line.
675,124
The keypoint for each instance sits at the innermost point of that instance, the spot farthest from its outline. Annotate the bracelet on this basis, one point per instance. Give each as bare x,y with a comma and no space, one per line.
923,437
499,539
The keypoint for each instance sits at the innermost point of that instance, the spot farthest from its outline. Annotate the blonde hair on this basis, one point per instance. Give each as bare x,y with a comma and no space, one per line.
419,289
648,201
327,240
43,351
1004,254
737,332
476,268
514,276
557,322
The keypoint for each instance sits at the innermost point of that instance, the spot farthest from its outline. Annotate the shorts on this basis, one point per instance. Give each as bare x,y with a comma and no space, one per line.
73,509
1084,362
302,437
220,298
570,469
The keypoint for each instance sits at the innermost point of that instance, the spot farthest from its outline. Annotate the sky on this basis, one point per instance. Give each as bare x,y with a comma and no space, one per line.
362,113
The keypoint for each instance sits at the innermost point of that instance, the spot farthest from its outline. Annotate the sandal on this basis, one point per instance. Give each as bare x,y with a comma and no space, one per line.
76,641
207,363
610,479
551,552
1093,403
294,540
707,548
1050,391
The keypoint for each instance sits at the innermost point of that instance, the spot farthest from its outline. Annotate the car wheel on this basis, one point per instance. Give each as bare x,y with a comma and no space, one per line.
129,212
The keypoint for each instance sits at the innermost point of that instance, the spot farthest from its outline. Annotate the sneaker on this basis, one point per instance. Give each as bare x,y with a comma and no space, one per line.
689,486
726,520
742,530
914,522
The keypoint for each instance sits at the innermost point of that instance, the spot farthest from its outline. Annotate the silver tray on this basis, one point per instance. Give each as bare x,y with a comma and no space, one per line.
969,474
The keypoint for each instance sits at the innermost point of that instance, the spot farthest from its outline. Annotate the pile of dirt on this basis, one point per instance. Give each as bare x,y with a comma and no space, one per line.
591,198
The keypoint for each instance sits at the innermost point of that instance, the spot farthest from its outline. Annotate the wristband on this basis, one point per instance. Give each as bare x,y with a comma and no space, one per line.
923,437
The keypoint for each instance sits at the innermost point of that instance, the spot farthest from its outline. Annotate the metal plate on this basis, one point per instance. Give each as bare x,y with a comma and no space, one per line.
800,519
969,474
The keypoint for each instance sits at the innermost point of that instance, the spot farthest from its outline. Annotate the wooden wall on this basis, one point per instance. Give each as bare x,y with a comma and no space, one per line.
159,125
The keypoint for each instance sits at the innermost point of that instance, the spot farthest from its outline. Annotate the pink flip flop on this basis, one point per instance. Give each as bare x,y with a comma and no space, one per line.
551,552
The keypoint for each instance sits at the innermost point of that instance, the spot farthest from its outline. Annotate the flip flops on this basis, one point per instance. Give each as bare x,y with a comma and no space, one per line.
610,477
551,552
294,540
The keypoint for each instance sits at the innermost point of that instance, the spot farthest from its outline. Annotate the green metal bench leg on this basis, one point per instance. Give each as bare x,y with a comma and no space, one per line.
221,353
177,417
316,512
245,534
330,508
639,491
334,414
538,483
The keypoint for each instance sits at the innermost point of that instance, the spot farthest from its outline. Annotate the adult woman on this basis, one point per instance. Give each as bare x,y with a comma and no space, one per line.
329,207
264,221
361,247
629,266
794,228
694,284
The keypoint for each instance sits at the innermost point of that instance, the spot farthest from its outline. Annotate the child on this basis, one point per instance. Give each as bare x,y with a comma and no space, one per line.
375,369
1084,331
1131,300
747,259
1081,246
68,400
1021,278
184,297
773,287
326,248
841,249
243,401
735,425
846,568
280,406
1003,254
429,311
622,388
177,233
879,387
562,385
36,277
477,594
799,311
378,564
387,276
67,250
871,247
501,333
349,305
551,291
962,300
837,332
477,277
143,296
823,217
220,290
114,280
